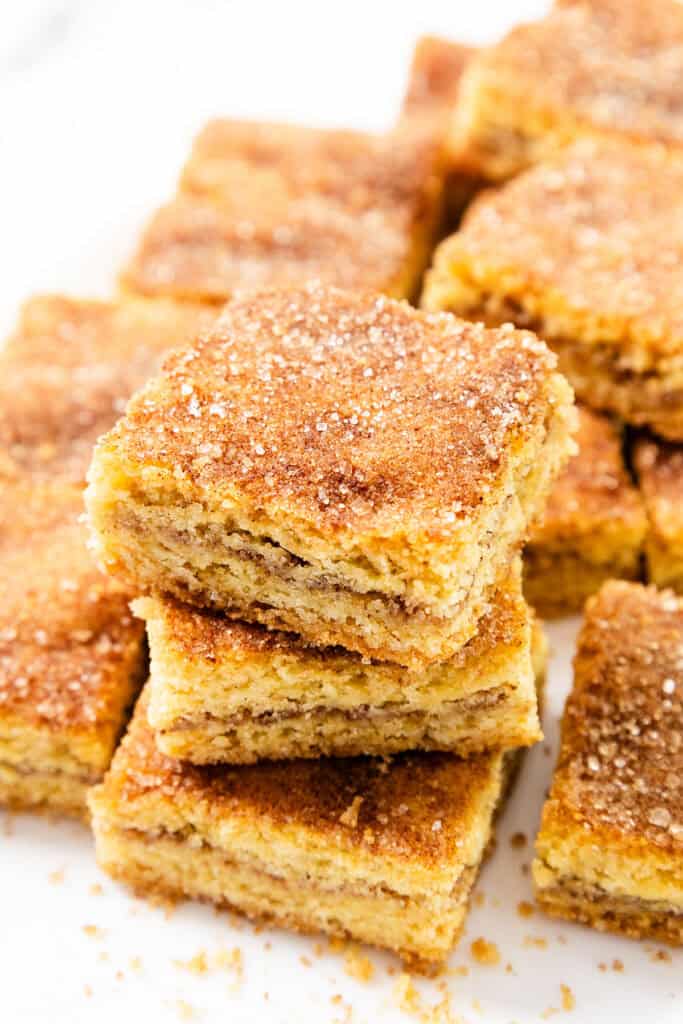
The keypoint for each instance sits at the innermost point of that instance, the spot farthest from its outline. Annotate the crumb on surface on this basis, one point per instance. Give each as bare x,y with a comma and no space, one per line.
518,840
350,815
661,956
56,877
135,963
479,899
568,1000
535,942
485,952
87,989
93,931
618,966
525,909
95,889
358,966
185,1010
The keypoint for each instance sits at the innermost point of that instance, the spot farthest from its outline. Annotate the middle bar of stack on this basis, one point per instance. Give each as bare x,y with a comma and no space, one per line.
324,499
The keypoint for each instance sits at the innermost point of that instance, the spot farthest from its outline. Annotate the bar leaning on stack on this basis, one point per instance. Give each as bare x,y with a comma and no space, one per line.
327,479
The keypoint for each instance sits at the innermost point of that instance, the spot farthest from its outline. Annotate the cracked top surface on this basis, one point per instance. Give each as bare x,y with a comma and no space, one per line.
350,412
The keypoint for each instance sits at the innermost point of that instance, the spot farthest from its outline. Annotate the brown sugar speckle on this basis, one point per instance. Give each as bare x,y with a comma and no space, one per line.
485,952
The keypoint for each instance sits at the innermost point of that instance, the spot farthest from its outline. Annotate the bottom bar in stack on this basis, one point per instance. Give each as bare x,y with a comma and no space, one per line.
385,851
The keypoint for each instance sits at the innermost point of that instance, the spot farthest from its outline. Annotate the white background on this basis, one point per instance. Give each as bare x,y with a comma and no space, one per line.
99,102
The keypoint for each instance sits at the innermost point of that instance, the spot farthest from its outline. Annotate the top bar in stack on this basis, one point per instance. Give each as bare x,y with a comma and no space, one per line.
338,465
587,251
600,68
276,204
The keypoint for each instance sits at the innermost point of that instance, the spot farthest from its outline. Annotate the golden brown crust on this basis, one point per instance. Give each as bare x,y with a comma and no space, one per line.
595,235
607,65
348,411
435,75
71,654
660,473
266,204
395,803
621,758
199,634
595,494
67,372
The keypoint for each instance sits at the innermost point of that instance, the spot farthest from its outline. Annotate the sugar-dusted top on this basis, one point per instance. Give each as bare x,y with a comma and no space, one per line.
435,75
346,411
660,473
67,372
595,488
599,230
266,204
612,64
621,759
202,636
417,806
68,642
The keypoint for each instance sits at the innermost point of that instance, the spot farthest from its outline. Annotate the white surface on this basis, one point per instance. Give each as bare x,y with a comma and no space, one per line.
99,102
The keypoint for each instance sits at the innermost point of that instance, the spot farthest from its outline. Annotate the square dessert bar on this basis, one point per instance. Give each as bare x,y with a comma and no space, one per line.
384,851
610,849
599,68
659,467
72,657
587,251
432,94
593,527
222,690
67,372
337,465
268,204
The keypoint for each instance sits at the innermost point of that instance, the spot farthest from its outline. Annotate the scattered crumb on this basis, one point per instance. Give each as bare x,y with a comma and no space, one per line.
459,972
135,963
56,877
660,955
535,942
337,945
476,1006
336,999
198,964
525,909
87,990
484,952
318,949
602,967
185,1010
509,969
617,965
562,939
268,945
547,750
479,899
350,815
344,1007
306,961
119,975
568,1001
93,932
95,889
102,957
358,966
231,960
406,995
525,869
518,840
549,1012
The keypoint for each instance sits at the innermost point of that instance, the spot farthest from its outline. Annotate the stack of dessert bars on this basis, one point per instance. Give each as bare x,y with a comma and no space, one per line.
323,502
